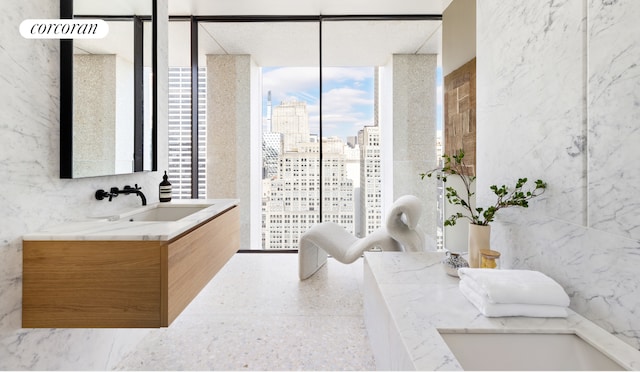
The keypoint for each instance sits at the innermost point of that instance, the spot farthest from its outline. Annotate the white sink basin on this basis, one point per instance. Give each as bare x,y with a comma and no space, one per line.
157,221
164,212
526,351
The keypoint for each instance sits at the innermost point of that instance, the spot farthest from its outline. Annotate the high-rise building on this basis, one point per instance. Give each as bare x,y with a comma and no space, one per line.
370,180
269,107
272,146
337,187
370,169
290,118
180,132
292,205
352,141
271,151
352,157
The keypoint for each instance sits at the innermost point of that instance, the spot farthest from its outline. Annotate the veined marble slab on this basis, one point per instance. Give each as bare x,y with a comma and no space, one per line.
116,228
408,299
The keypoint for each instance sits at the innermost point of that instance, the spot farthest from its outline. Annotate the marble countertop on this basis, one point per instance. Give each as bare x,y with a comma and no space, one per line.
118,227
422,300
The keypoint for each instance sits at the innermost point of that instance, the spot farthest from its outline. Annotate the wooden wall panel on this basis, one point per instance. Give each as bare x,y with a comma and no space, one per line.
460,113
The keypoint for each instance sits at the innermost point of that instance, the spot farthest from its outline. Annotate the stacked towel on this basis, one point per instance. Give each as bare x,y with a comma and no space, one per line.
513,293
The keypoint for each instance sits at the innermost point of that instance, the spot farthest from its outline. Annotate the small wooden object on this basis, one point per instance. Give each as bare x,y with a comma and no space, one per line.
488,258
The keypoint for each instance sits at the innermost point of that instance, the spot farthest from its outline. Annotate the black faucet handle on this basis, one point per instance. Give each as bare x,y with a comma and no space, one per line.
101,194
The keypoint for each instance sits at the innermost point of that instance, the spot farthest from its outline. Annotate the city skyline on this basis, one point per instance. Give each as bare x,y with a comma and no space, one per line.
300,188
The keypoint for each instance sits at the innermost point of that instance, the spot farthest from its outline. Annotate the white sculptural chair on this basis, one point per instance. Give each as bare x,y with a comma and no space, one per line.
400,233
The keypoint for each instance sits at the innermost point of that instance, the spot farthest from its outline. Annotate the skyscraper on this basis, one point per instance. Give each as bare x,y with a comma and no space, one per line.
370,168
370,180
269,129
290,118
271,146
337,188
291,202
271,151
180,132
292,205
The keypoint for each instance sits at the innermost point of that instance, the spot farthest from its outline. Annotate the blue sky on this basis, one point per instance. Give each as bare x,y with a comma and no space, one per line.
347,95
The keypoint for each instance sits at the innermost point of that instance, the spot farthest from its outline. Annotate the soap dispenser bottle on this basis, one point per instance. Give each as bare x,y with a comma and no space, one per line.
165,188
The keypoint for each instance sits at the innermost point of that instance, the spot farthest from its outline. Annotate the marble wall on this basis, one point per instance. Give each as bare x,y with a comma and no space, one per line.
33,196
559,99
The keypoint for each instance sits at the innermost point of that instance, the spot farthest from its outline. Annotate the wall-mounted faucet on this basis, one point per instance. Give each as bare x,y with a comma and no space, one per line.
114,191
132,190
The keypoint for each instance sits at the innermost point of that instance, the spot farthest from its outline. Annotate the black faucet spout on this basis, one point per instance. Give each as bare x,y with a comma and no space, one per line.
141,195
134,190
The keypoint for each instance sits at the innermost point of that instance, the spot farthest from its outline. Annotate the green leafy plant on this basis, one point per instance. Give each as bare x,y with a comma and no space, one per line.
519,196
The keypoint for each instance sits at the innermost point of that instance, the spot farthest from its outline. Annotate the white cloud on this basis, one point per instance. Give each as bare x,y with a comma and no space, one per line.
341,74
303,82
347,105
346,110
344,100
288,82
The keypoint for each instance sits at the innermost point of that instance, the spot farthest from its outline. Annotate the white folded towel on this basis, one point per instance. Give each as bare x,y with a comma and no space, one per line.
489,309
514,286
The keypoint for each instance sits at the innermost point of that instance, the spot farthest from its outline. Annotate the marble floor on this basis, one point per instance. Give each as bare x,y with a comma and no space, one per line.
256,315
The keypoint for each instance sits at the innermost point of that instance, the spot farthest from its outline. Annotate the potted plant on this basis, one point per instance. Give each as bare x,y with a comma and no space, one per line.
480,217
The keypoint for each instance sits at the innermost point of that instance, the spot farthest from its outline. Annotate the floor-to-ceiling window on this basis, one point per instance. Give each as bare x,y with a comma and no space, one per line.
320,135
293,138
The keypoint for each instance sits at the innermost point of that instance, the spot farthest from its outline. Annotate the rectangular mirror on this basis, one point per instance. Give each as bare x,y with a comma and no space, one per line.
108,91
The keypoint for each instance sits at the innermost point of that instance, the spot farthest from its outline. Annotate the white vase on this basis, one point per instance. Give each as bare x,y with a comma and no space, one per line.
479,238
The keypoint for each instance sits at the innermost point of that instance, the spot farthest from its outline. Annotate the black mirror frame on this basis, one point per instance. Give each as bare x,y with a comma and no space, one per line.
66,95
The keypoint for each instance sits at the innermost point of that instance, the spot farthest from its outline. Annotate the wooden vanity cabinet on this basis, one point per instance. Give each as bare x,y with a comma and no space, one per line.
123,284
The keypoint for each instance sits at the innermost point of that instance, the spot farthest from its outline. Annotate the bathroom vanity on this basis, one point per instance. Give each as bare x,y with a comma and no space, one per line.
417,319
136,269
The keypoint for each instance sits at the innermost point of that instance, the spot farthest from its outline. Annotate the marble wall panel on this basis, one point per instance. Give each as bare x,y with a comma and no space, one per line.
557,100
532,94
598,270
614,117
